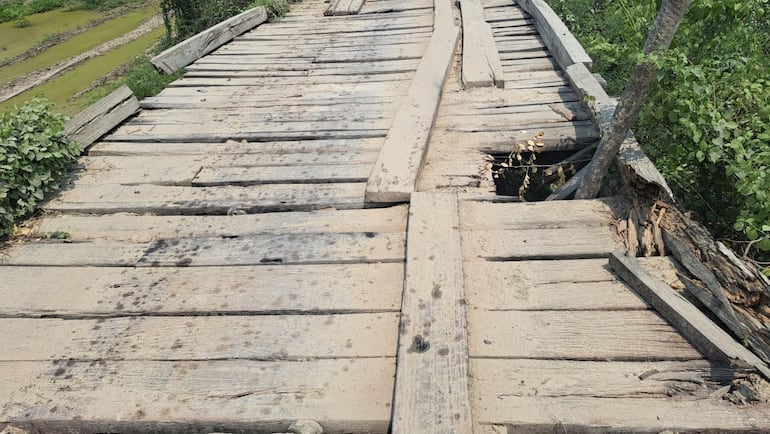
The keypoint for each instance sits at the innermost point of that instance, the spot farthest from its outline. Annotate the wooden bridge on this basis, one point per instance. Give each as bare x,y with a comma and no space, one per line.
305,227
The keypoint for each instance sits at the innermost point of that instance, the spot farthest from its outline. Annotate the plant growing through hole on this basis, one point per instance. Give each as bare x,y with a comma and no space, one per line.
526,163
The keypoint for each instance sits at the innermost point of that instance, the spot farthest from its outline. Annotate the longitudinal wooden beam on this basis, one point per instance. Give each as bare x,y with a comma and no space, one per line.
432,392
100,118
395,173
481,60
195,47
560,41
688,319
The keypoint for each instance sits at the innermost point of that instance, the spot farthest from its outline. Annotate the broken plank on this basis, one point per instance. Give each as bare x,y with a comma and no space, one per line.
637,335
530,244
201,396
686,380
688,319
263,337
78,292
395,173
244,175
432,378
480,60
128,227
191,49
268,249
162,200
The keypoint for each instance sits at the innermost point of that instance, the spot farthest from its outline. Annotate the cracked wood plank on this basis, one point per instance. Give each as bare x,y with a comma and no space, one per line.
480,60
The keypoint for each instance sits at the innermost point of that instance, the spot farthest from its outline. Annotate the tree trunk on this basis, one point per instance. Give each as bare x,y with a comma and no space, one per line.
630,103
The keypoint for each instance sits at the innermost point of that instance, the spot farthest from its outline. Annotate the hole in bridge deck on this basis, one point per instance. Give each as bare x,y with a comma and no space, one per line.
544,172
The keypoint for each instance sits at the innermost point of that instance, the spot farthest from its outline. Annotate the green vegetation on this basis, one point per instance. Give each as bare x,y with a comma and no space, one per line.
80,43
18,10
185,18
62,88
707,120
34,155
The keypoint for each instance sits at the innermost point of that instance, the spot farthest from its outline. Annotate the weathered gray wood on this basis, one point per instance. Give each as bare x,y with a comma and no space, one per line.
200,396
688,319
398,166
530,244
687,380
207,41
538,215
636,335
162,200
320,248
233,149
101,117
240,175
263,337
79,292
533,414
561,43
136,228
344,7
432,377
481,61
582,284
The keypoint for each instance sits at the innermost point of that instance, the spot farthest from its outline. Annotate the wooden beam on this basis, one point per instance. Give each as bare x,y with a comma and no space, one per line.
195,47
100,118
395,173
560,41
432,392
481,60
709,338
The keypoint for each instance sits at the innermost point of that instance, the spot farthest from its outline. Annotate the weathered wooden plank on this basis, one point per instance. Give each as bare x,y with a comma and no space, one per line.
689,380
432,377
201,396
398,166
636,335
78,292
314,248
263,337
688,319
232,149
537,215
162,200
528,244
481,61
208,80
532,414
561,43
558,136
244,175
101,117
136,228
583,284
191,49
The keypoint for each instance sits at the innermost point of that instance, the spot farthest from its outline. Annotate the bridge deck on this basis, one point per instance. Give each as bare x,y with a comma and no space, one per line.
223,272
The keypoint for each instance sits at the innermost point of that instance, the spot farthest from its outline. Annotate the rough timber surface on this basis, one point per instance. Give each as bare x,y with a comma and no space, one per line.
210,266
562,344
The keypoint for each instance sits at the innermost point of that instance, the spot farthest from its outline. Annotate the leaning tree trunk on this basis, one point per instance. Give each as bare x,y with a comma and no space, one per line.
630,103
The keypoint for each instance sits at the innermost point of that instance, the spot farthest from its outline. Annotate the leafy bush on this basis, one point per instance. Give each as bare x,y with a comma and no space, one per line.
34,155
185,18
707,119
